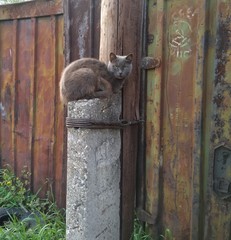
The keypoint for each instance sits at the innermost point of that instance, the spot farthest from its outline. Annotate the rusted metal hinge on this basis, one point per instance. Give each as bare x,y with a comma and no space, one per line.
96,124
150,63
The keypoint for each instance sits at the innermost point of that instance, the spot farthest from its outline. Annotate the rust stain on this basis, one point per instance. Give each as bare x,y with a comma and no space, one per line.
217,146
32,60
223,45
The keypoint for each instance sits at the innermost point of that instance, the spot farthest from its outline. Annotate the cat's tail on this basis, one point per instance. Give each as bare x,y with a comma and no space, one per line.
62,91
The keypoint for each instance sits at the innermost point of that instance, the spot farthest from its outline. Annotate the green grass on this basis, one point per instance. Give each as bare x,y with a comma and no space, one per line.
140,234
50,225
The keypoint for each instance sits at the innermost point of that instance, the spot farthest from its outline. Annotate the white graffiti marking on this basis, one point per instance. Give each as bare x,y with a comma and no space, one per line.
186,13
180,41
180,33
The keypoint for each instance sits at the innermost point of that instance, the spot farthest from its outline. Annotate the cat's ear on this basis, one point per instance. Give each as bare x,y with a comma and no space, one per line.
112,57
129,57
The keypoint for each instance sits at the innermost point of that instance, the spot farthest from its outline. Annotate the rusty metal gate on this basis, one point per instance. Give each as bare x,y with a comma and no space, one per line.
32,117
188,124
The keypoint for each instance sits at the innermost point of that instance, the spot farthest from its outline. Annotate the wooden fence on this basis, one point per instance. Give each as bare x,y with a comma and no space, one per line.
184,144
32,133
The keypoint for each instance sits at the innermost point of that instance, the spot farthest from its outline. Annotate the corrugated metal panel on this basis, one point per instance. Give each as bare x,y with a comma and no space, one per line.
32,117
216,215
188,119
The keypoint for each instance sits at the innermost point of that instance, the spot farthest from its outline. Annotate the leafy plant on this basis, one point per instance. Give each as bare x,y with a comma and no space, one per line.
139,233
50,221
12,190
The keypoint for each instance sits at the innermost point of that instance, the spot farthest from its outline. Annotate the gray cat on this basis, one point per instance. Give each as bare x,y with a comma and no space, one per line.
88,78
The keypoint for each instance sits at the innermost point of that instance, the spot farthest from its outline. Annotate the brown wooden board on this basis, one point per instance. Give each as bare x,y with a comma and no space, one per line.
7,93
32,116
129,41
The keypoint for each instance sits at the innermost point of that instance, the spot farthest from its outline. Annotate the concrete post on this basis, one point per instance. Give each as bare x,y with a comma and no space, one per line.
93,161
93,173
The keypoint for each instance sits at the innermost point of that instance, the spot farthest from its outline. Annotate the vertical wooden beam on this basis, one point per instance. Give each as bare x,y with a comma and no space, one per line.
7,93
14,53
60,129
109,28
129,41
32,99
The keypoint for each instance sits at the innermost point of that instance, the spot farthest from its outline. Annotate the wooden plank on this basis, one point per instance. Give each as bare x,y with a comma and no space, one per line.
32,98
109,15
24,83
14,97
31,9
53,55
7,93
60,129
45,97
129,41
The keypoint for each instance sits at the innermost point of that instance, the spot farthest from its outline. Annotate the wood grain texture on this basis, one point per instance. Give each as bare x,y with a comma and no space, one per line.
32,117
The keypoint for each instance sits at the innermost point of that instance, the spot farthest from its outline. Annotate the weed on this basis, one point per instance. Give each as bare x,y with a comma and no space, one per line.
50,221
167,235
139,233
12,190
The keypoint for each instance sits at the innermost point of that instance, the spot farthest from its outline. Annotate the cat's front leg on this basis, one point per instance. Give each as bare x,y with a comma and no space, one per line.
104,89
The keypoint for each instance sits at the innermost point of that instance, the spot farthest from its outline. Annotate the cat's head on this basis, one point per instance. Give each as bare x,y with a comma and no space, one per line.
120,66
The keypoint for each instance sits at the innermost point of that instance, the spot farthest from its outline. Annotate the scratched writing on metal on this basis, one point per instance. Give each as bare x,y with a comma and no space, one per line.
180,33
187,13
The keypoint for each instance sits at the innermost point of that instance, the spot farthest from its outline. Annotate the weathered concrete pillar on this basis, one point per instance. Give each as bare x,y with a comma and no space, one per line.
93,174
93,161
